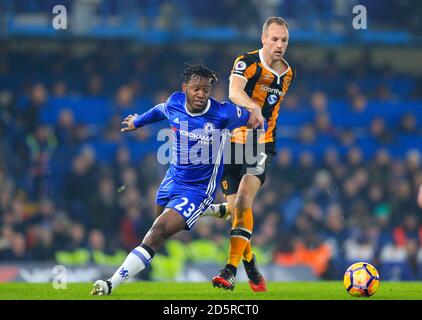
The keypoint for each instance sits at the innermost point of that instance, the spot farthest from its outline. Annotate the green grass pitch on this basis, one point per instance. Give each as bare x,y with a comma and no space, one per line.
322,290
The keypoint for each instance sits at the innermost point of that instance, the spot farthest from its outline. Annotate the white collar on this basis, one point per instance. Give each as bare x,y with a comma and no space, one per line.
261,57
199,113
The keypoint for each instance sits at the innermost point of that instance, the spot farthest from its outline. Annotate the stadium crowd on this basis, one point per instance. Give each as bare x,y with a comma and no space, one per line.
75,190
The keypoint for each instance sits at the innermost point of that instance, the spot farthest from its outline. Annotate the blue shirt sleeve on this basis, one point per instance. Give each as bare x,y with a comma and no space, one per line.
156,114
236,116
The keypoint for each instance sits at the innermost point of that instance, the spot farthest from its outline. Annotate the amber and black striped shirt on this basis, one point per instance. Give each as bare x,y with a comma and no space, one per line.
265,87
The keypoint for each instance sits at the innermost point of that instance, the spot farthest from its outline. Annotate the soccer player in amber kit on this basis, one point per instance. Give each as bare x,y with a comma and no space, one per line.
259,80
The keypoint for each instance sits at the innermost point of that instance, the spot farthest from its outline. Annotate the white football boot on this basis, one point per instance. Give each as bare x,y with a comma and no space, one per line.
101,288
217,211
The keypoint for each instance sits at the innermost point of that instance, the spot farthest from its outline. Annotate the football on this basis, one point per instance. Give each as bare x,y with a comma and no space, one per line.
361,279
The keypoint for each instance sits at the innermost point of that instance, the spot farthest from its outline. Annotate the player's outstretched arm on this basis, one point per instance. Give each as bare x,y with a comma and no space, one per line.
238,96
134,121
420,197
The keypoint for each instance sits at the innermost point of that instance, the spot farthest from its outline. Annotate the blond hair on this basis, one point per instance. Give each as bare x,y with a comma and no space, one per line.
277,20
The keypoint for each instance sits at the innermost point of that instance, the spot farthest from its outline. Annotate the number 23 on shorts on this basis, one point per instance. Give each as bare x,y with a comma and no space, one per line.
182,207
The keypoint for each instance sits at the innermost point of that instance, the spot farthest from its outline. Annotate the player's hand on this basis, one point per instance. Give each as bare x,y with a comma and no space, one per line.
256,120
129,123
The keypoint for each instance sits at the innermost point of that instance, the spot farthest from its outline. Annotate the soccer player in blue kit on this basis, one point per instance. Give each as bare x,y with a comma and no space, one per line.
189,186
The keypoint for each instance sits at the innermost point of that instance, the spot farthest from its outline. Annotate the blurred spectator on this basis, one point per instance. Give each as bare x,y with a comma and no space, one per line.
30,113
65,127
61,226
43,244
408,124
324,126
112,132
359,215
6,236
347,137
133,226
376,195
402,201
380,167
81,133
307,170
122,160
384,93
103,210
322,191
291,102
124,97
95,85
17,250
352,91
331,159
41,147
307,134
380,133
336,232
77,237
359,103
319,102
45,214
413,161
354,159
96,241
59,89
78,187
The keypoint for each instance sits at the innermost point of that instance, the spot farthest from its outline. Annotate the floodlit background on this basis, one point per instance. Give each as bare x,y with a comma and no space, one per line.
341,189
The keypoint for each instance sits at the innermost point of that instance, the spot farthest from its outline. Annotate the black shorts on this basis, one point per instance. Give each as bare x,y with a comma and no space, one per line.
236,165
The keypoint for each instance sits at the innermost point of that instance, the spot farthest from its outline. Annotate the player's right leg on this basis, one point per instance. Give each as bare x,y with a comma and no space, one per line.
167,224
141,256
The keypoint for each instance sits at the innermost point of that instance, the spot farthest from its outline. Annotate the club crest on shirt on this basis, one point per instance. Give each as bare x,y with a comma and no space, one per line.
209,127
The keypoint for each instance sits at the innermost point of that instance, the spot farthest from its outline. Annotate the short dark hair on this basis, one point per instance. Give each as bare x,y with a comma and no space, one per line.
198,70
277,20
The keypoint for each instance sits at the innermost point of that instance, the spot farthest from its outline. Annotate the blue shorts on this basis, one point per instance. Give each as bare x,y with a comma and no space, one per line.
188,201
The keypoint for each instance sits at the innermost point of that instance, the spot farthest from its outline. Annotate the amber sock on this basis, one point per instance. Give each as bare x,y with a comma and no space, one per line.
247,254
240,235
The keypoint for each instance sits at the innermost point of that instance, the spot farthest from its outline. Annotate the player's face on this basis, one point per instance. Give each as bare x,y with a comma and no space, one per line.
198,90
275,40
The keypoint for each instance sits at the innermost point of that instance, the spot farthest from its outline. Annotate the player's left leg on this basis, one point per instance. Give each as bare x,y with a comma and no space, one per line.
240,245
167,224
241,232
256,280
